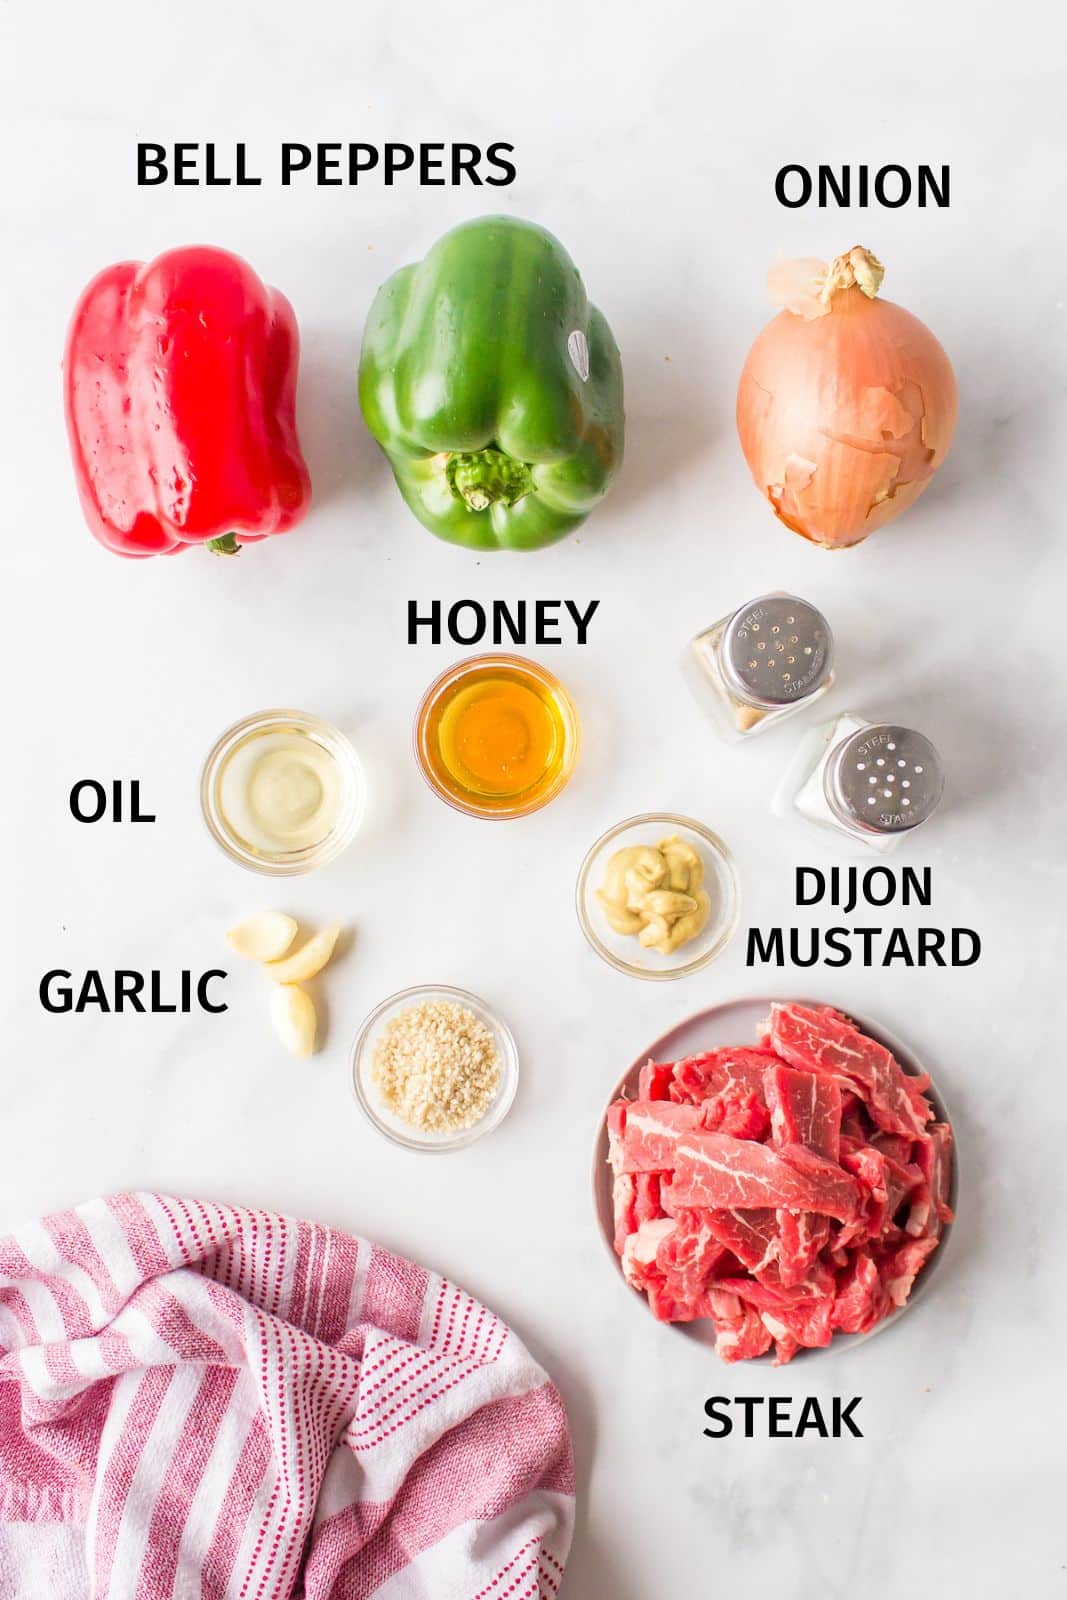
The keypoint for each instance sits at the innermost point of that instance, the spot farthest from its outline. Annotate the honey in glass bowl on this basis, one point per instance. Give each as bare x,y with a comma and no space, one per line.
496,736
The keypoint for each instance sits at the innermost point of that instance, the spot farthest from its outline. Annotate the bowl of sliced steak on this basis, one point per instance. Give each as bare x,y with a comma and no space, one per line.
781,1195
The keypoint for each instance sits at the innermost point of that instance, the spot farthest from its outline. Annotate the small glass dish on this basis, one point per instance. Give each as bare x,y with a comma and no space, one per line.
621,950
517,672
242,737
366,1090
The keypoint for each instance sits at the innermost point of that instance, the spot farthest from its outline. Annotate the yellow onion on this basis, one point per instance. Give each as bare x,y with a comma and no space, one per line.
847,403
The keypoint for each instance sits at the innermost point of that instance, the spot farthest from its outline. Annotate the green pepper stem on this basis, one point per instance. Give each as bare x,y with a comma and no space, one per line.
226,545
484,477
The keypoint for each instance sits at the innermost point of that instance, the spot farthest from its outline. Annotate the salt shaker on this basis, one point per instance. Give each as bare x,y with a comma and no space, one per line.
872,781
763,662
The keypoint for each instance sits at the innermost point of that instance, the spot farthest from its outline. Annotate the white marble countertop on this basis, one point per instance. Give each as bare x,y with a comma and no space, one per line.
648,139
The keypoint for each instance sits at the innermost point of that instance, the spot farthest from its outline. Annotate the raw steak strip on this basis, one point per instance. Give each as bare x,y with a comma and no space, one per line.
902,1266
641,1247
868,1166
616,1124
739,1331
689,1257
855,1124
742,1114
802,1236
942,1137
672,1262
900,1181
861,1301
805,1109
647,1204
785,1348
771,1294
894,1146
807,1324
654,1080
641,1270
930,1207
651,1134
720,1173
623,1194
798,1317
752,1236
837,1193
738,1069
690,1081
821,1040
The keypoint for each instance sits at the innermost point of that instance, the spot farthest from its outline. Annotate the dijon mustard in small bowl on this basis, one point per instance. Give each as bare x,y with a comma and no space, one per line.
622,950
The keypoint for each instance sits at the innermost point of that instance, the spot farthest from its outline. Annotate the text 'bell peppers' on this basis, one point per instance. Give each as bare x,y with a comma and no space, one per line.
494,387
180,378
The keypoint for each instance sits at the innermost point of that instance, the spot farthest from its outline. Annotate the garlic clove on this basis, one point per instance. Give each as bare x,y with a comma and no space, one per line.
266,936
292,1015
308,960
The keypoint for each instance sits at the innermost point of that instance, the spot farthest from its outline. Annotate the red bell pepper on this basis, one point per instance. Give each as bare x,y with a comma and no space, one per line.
181,405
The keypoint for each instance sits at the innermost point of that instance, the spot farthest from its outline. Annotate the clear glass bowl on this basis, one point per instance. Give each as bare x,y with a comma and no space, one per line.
621,950
367,1093
284,863
443,688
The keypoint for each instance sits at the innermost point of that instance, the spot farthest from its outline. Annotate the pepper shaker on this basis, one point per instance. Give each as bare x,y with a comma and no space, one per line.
871,781
763,662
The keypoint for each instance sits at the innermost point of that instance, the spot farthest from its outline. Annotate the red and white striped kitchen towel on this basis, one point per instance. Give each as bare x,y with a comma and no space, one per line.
199,1402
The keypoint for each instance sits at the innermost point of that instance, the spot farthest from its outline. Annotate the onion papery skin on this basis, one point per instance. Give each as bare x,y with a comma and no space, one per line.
845,418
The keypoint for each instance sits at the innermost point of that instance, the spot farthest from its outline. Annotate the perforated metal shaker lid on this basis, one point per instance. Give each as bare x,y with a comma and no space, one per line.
776,650
887,779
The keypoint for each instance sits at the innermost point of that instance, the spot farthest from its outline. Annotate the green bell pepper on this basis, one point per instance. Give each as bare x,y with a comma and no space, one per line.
494,387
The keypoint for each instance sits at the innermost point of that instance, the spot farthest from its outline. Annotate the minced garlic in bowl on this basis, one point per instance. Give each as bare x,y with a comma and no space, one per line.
433,1068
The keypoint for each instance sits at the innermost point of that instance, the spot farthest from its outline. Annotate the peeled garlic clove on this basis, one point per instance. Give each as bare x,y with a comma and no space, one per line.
308,960
292,1014
263,937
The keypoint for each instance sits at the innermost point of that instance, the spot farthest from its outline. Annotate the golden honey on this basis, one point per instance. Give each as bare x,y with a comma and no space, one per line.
497,736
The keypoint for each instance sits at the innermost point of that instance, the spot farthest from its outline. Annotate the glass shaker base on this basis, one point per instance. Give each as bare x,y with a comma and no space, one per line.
801,790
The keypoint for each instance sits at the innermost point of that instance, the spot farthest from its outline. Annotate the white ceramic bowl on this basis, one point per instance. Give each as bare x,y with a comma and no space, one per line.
735,1022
